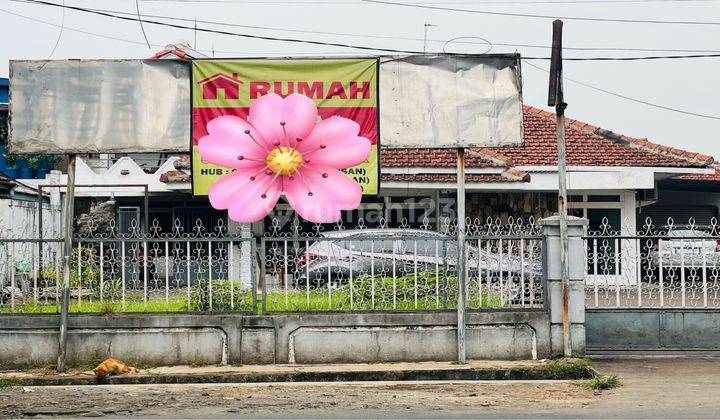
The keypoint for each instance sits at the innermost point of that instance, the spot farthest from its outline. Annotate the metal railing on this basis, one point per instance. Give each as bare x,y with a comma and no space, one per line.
401,269
668,266
202,269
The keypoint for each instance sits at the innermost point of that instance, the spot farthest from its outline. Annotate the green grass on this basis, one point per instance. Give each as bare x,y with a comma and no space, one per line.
405,293
106,307
315,300
602,382
7,383
569,367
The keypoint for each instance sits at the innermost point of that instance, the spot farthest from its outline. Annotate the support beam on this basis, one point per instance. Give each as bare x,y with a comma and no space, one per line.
67,257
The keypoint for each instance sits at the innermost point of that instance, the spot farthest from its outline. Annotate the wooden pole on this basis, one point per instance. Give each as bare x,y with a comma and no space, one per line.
556,99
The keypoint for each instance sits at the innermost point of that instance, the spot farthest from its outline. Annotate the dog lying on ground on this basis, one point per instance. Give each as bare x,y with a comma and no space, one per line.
113,367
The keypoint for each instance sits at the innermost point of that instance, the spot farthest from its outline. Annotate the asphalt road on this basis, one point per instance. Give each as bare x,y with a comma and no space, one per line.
676,388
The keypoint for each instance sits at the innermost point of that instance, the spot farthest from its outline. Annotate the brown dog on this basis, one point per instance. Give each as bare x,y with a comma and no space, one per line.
113,367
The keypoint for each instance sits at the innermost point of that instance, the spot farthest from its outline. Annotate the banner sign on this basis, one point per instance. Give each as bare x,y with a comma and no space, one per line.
451,101
99,106
339,87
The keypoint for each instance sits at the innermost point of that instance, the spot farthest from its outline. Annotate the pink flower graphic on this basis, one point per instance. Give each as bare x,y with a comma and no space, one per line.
284,149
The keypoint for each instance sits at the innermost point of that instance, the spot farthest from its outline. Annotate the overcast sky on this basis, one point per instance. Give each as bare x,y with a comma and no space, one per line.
690,85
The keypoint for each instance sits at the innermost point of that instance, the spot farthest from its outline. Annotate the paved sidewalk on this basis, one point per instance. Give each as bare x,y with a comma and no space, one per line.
475,370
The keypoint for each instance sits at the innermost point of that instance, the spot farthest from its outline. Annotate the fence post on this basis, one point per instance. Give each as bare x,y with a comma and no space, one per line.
553,274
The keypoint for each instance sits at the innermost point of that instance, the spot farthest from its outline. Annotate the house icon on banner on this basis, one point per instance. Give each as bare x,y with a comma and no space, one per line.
230,85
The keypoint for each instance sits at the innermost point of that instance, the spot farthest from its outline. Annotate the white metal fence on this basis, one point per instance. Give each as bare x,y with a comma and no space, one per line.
22,260
384,268
669,266
289,269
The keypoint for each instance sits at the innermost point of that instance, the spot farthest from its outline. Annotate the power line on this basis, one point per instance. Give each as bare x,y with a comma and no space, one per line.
336,44
130,41
640,101
647,57
57,41
142,28
220,32
67,28
360,47
529,15
282,29
502,44
266,53
500,2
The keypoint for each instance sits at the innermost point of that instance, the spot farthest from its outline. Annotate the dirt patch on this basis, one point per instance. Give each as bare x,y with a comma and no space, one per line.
209,400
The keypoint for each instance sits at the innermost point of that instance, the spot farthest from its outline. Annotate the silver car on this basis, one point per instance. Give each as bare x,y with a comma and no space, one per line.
686,248
356,251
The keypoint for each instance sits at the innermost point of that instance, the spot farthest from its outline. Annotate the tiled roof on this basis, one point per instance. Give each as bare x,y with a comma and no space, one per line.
586,145
175,177
437,158
713,177
451,178
6,181
183,163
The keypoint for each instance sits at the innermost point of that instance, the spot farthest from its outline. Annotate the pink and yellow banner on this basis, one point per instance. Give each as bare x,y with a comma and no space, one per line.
342,87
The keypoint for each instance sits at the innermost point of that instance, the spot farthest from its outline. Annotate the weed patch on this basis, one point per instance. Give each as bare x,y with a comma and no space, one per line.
7,383
602,382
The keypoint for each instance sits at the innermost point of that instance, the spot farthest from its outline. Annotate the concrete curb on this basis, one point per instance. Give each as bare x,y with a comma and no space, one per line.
556,371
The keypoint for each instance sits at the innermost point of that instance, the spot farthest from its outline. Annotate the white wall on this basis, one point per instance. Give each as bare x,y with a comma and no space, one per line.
18,220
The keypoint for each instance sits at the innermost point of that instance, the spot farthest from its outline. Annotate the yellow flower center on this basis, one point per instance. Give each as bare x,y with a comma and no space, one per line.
284,160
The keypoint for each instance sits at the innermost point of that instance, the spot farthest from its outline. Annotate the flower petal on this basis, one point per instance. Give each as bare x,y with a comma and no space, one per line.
242,196
298,112
330,194
226,141
343,147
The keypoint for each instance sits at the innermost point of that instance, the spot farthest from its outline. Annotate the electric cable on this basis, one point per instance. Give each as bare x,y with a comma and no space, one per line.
535,16
337,44
666,108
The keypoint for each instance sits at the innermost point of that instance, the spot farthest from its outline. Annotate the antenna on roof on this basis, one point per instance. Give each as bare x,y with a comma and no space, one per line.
426,26
195,35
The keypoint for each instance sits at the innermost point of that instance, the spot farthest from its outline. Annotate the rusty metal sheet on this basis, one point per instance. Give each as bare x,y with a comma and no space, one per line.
99,106
450,101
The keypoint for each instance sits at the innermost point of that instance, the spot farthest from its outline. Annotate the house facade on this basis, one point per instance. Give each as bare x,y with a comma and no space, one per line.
612,180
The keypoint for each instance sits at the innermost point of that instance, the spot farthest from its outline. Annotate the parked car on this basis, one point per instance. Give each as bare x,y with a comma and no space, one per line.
357,249
687,247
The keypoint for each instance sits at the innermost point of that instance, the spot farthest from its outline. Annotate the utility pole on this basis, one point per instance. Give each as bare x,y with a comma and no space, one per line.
462,352
556,99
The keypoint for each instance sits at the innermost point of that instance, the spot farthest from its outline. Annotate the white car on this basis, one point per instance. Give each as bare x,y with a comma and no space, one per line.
689,248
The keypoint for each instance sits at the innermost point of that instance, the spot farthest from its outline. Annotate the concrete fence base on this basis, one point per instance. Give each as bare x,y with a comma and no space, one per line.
170,339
